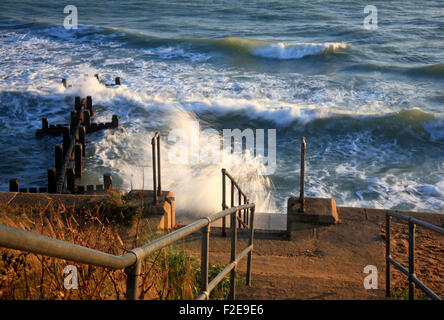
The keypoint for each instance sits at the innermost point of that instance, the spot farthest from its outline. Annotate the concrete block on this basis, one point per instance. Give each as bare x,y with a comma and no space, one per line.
318,211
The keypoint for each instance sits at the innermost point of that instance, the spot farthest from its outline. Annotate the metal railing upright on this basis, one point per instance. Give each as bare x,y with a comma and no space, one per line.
242,221
157,183
410,272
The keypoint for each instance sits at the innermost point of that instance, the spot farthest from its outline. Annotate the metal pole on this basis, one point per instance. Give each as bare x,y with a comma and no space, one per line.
240,211
232,200
232,294
301,196
411,260
387,255
158,165
154,173
224,222
204,260
132,281
248,280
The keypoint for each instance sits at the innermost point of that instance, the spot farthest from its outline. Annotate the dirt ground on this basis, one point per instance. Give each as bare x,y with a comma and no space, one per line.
328,262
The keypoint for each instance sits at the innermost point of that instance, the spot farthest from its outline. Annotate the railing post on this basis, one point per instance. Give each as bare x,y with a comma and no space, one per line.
248,280
301,195
232,201
132,281
158,165
154,171
204,261
239,203
411,260
232,294
224,233
387,254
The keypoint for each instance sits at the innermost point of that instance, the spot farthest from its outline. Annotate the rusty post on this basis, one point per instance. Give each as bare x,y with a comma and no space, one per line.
52,181
301,196
45,123
64,82
78,160
97,76
13,185
117,81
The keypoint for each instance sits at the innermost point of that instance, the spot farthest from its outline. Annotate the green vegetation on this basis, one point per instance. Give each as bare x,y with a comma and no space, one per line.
170,273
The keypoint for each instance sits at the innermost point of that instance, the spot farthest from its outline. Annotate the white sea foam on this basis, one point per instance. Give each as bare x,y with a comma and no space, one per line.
286,51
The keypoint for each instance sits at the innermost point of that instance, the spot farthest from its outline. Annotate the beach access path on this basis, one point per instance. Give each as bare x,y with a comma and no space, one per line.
327,262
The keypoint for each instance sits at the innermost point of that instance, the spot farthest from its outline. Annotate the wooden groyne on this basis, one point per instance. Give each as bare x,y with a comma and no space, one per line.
68,156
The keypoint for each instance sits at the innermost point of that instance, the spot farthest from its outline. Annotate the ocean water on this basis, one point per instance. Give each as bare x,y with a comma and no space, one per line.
370,102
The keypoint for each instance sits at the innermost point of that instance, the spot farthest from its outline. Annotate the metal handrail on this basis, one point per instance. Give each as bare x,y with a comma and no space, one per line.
157,190
18,239
410,272
241,195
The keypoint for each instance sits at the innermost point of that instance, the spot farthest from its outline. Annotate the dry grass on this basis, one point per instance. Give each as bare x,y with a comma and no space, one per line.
169,273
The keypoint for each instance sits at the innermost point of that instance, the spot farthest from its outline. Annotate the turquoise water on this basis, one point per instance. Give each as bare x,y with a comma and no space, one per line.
370,102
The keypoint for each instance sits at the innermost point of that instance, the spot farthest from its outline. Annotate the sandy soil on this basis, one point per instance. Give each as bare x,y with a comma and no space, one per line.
328,262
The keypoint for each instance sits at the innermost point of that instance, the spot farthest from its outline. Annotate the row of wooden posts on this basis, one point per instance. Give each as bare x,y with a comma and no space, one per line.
68,156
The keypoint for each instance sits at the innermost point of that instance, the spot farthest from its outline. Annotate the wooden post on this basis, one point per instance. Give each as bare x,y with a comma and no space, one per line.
115,121
81,189
64,82
99,187
52,181
90,189
89,105
70,180
87,118
73,119
45,123
66,139
43,190
78,153
32,190
82,139
107,181
13,185
23,190
97,76
117,81
78,106
58,158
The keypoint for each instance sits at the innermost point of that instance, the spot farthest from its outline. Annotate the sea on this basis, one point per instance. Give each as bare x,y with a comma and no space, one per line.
362,81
